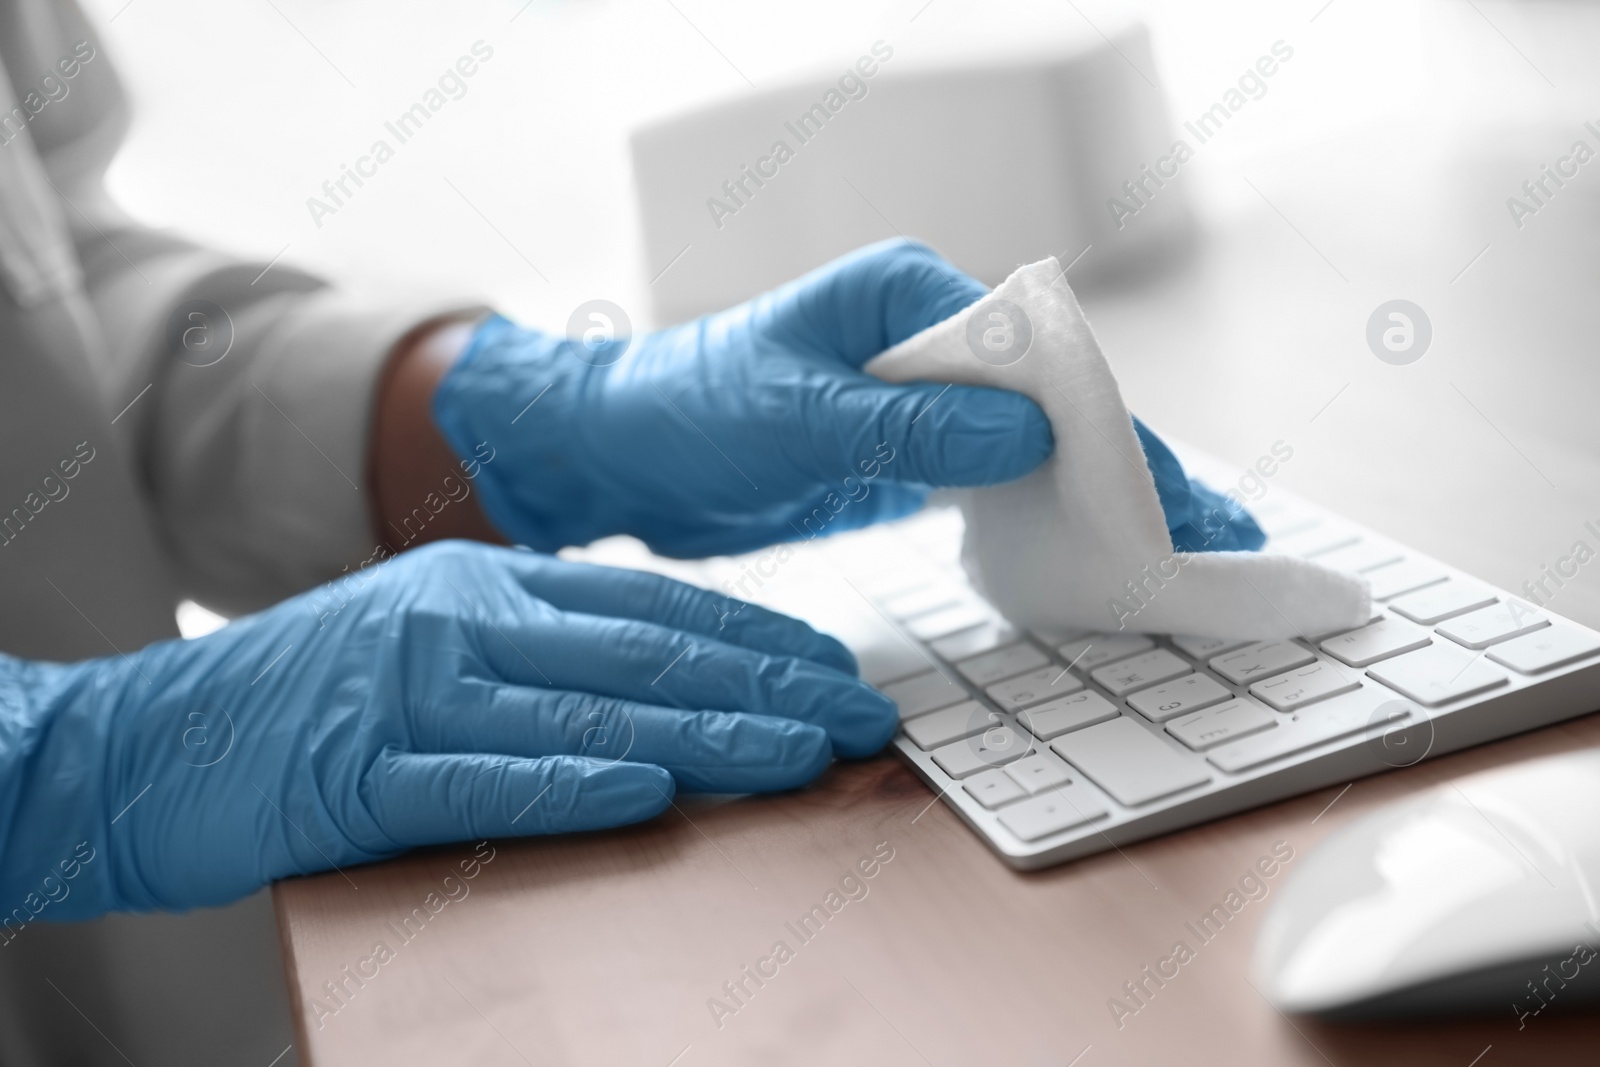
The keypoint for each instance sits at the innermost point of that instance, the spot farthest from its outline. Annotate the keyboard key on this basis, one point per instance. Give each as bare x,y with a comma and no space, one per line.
1359,557
1438,674
1035,687
1130,762
1307,685
1056,638
1203,648
984,637
1404,577
1324,537
994,747
1441,602
924,692
1001,663
1039,772
951,724
993,788
921,600
1179,697
1353,713
1060,809
1095,650
1376,640
1140,671
1493,624
1261,660
948,620
1284,522
1066,713
1227,722
1543,650
884,584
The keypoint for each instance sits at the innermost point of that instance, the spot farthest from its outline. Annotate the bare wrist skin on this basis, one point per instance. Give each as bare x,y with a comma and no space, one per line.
416,482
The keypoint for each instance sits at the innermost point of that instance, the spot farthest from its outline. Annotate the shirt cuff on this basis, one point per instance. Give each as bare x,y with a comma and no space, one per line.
310,408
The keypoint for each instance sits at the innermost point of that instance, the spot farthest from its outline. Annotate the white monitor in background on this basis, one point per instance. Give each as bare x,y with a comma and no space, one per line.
996,156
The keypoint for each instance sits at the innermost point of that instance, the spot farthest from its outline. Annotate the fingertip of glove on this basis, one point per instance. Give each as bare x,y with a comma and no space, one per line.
872,721
1215,523
631,792
811,750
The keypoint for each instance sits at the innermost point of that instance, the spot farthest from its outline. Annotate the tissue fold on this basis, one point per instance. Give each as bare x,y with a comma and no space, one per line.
1081,543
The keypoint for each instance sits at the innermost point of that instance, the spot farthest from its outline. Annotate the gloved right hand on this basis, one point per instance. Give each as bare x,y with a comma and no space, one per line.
733,432
456,692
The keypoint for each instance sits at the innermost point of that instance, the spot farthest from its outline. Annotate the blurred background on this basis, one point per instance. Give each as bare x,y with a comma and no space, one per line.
1377,165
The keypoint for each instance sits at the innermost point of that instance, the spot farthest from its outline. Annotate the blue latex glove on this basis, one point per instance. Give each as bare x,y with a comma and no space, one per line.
729,433
1199,518
456,692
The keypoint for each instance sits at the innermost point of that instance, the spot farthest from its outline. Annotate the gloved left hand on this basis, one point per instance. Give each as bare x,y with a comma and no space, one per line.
457,692
756,425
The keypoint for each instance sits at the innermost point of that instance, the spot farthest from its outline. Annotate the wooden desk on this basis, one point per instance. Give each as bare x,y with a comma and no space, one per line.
606,948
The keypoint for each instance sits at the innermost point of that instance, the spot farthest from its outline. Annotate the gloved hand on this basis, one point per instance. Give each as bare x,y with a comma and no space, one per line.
1199,518
456,692
730,433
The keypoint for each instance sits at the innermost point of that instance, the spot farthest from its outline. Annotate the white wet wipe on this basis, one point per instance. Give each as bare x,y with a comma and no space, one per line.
1056,550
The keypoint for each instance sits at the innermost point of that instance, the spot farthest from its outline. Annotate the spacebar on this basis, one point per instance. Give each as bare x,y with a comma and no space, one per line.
1129,762
1312,726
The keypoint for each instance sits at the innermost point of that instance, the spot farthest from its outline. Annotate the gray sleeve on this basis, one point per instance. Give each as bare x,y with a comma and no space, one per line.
246,389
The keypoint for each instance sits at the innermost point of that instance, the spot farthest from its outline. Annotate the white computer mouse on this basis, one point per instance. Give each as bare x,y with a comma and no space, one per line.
1477,895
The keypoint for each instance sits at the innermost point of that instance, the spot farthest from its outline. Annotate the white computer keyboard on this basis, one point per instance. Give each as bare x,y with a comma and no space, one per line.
1056,746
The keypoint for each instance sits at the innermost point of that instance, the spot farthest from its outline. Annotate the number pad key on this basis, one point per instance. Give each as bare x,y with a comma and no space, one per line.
1376,640
1059,809
994,747
1441,602
993,788
1039,772
1438,674
1491,625
1552,647
923,693
942,727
